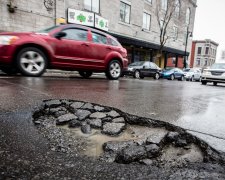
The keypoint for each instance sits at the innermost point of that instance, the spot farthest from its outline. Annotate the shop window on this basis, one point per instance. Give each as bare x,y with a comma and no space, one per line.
146,21
125,12
92,5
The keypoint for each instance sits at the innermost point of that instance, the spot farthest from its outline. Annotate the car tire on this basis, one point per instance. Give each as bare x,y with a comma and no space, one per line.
137,74
214,83
204,82
172,77
31,61
157,76
182,78
114,70
85,74
192,79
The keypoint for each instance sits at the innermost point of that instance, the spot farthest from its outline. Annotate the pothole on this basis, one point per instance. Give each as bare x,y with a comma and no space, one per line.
111,135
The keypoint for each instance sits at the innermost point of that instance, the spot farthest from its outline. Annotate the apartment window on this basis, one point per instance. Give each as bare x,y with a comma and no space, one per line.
146,21
175,32
207,50
149,1
199,50
198,62
177,8
188,16
124,12
92,5
164,4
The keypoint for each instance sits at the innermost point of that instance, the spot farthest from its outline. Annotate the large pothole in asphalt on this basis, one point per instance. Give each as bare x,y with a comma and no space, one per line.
111,135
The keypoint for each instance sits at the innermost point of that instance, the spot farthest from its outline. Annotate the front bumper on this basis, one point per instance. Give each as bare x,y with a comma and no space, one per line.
211,78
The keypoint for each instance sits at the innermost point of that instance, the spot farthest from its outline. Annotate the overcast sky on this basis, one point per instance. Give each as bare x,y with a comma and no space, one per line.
210,23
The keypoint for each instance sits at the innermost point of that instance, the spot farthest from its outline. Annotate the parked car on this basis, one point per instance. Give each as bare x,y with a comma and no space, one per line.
192,74
66,47
143,69
214,74
173,73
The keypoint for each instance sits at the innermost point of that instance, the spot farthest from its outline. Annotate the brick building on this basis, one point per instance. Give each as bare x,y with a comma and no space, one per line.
203,53
133,22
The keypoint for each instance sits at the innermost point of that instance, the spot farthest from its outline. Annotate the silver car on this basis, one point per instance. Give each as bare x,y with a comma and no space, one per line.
215,74
192,74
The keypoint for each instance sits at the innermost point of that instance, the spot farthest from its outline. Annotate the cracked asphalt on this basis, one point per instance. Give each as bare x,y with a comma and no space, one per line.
196,108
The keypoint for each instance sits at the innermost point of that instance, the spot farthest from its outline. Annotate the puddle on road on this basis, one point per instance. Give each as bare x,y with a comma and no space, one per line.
96,139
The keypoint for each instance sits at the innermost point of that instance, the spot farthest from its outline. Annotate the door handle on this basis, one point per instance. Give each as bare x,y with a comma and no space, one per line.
84,44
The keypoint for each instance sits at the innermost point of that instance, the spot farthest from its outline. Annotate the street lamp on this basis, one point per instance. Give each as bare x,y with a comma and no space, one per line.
189,34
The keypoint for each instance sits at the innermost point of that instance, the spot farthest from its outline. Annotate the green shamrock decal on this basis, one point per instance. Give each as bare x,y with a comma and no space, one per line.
81,18
101,23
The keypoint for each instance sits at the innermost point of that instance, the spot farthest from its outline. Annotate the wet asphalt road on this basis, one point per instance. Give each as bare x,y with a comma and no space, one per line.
190,105
197,108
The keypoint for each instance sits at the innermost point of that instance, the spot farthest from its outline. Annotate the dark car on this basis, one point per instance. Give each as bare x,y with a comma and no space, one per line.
173,73
65,47
143,69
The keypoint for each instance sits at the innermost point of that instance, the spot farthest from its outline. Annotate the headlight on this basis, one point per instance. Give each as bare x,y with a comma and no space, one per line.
205,72
7,40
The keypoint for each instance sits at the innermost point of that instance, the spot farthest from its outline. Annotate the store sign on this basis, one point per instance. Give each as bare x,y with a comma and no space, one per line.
101,23
87,19
80,17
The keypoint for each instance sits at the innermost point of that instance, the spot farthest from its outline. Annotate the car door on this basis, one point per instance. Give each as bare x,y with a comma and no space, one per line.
177,73
76,42
145,69
98,50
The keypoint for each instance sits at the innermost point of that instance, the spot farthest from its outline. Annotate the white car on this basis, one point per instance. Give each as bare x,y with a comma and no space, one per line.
192,74
215,74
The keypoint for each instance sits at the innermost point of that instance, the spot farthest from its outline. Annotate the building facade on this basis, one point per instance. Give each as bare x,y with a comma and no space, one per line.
222,57
203,53
135,23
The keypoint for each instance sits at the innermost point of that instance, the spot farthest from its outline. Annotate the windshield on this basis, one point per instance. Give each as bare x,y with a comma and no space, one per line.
48,29
140,63
218,66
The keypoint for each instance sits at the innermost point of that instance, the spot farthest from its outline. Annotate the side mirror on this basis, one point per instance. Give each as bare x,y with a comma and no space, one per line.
60,34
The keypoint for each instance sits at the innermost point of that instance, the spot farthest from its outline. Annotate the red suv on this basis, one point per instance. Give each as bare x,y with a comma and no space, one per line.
65,47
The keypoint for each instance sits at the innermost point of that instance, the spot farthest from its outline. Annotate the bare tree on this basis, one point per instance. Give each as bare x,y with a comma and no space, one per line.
165,10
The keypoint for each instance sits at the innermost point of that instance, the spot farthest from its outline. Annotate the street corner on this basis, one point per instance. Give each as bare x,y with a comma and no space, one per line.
110,135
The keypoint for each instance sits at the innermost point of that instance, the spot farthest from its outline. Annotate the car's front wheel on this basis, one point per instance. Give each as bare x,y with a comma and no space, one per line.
157,76
114,70
137,74
31,61
181,78
172,77
85,74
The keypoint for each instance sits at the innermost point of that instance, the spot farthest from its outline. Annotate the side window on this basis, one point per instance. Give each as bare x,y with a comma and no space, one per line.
113,42
147,65
153,66
76,34
99,38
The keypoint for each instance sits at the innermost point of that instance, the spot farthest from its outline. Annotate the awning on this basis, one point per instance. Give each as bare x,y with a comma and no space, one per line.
140,43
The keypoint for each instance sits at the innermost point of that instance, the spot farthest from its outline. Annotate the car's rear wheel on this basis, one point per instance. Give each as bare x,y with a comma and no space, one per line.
85,74
157,76
114,70
137,74
31,61
181,79
204,82
172,77
214,83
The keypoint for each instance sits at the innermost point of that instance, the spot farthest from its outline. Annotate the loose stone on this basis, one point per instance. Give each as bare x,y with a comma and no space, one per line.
113,114
86,129
113,128
65,118
118,120
82,114
95,123
77,105
98,115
